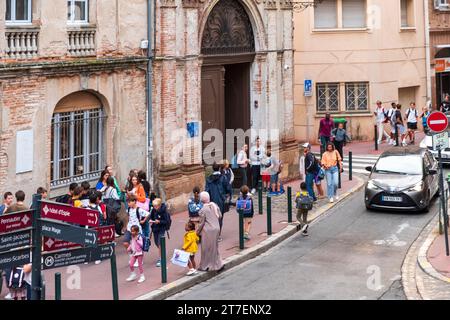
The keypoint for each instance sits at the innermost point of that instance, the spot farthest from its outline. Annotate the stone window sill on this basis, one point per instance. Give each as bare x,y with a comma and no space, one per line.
340,30
407,29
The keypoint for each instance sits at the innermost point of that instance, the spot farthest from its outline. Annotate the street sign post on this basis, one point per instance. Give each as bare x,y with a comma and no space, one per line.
52,244
65,213
15,258
440,140
105,234
66,232
437,122
15,221
15,240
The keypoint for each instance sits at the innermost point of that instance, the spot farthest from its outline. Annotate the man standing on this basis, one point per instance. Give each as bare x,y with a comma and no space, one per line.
19,205
325,127
311,169
243,163
411,120
380,119
257,153
7,202
445,105
390,116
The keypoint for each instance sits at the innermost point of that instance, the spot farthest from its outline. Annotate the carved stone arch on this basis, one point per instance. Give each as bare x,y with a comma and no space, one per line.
228,30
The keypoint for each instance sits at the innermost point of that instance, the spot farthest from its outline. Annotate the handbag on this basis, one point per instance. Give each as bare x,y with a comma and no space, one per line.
321,174
180,258
144,205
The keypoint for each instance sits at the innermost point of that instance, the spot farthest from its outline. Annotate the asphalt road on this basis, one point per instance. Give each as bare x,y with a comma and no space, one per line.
351,253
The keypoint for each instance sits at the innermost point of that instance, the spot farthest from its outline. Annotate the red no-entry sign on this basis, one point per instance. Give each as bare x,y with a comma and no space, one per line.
437,121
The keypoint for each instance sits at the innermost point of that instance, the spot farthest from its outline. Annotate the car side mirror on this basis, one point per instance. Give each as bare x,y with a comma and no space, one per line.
369,169
432,172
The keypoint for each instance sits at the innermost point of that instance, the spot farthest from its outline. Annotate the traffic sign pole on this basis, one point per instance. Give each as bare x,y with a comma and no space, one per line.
442,198
57,286
36,281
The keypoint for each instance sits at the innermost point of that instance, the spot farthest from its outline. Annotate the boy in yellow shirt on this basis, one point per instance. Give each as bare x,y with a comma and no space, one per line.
304,203
190,245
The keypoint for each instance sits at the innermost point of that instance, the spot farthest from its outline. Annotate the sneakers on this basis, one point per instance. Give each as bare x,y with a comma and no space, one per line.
336,198
98,262
304,228
141,278
253,191
191,272
219,239
117,235
132,277
158,263
331,200
8,296
246,236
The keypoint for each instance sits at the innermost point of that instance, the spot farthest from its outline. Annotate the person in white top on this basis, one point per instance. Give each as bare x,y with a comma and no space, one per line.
411,119
257,152
243,163
381,120
391,120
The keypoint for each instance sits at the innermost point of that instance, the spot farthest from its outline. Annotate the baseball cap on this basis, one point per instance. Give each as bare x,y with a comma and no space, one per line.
306,145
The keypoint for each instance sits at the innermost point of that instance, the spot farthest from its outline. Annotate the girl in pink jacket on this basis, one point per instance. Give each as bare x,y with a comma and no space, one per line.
137,254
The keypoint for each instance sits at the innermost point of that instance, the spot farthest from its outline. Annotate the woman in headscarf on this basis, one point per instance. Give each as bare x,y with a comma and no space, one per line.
209,230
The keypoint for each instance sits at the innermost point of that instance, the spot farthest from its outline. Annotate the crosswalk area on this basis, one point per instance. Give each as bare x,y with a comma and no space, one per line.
359,162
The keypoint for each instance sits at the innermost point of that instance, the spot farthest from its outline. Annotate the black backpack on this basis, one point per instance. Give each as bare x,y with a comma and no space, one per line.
63,199
15,278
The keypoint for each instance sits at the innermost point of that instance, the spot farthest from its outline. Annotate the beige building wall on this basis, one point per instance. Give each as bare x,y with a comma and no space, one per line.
390,58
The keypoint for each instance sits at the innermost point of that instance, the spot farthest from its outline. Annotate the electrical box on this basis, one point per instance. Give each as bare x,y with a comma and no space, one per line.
144,44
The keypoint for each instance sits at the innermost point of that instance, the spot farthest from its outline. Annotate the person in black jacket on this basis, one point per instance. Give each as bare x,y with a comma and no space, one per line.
311,169
158,220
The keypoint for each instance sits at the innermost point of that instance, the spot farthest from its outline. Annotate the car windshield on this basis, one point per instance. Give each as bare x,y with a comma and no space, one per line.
407,165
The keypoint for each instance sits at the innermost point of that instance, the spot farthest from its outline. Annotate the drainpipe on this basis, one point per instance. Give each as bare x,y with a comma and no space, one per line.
427,49
149,93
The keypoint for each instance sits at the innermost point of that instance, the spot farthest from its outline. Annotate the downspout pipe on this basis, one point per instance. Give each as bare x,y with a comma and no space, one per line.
427,49
149,93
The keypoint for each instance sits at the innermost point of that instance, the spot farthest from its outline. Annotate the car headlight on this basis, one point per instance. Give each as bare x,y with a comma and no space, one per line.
371,185
417,187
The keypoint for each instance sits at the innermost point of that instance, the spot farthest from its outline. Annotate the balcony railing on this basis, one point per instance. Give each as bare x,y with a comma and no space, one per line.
82,41
22,43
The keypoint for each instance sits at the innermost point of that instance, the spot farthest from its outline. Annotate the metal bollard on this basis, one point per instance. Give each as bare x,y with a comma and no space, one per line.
260,198
57,286
269,216
339,178
115,285
376,137
241,229
396,135
289,199
350,165
163,260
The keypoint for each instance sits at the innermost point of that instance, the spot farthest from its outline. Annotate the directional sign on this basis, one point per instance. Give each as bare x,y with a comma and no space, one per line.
440,141
66,232
61,212
15,240
437,121
15,221
77,256
52,244
16,258
105,234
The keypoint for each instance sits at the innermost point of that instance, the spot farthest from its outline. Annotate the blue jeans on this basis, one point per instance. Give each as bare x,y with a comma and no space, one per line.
323,143
310,184
332,177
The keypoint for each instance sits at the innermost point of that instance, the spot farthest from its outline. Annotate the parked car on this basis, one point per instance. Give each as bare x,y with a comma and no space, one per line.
403,178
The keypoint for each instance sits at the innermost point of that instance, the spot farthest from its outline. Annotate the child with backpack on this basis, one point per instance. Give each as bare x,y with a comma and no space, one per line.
160,222
137,254
303,203
190,245
16,284
245,204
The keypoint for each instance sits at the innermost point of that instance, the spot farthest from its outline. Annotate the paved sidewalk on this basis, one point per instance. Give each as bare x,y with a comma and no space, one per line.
95,280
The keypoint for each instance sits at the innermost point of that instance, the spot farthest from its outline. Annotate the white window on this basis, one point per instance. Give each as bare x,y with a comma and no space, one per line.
407,13
77,11
325,15
18,11
357,96
353,13
77,146
442,4
327,97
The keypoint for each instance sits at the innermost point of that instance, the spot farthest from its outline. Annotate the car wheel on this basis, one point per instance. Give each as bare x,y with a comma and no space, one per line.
368,208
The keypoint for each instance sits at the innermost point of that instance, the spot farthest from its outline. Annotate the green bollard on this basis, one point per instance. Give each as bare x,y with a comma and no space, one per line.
115,285
163,260
260,198
241,229
57,286
269,216
289,199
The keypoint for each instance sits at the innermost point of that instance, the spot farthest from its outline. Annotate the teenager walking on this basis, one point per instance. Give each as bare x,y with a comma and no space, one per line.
332,164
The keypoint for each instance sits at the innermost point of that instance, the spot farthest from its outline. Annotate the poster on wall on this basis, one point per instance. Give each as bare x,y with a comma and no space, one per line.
24,151
442,65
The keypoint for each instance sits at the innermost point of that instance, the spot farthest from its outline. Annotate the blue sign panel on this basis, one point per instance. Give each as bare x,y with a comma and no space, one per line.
308,88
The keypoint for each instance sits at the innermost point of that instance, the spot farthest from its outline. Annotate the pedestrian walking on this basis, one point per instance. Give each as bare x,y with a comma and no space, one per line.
101,184
112,202
160,223
19,205
245,204
445,105
303,203
400,125
332,164
411,117
325,126
274,171
317,181
209,230
257,153
7,202
228,173
340,138
136,188
194,206
424,116
389,120
137,254
67,198
311,168
190,245
243,162
381,119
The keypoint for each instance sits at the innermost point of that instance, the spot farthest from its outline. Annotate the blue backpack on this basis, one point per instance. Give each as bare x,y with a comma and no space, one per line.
234,164
146,243
244,205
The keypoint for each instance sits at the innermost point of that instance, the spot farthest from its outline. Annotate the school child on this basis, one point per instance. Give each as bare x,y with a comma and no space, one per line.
245,204
304,203
77,193
137,254
190,245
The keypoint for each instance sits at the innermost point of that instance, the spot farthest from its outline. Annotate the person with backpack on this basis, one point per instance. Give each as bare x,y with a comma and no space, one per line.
424,116
228,173
160,222
76,197
390,119
112,201
194,206
400,129
381,118
85,194
137,254
332,163
311,168
245,204
340,138
411,121
67,198
304,203
190,240
16,284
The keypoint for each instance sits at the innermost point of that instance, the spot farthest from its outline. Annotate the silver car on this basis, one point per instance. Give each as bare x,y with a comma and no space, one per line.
404,178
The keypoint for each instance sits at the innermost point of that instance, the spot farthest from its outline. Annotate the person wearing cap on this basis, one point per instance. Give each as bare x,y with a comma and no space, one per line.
381,118
311,169
325,127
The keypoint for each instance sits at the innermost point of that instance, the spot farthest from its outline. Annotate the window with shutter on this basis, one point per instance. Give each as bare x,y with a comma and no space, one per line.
353,13
325,14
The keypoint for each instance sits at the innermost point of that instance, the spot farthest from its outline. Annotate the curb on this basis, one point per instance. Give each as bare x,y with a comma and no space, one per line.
243,256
